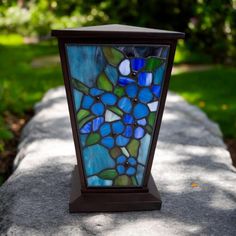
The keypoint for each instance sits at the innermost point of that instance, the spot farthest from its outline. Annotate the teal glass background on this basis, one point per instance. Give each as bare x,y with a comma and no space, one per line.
116,90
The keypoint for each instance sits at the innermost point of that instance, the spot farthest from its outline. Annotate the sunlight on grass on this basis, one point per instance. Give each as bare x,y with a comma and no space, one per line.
11,39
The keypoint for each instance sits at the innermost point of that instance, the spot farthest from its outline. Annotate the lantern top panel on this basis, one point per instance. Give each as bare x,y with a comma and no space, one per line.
116,31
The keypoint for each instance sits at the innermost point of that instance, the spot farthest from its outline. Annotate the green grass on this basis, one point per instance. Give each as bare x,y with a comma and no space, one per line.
214,92
21,84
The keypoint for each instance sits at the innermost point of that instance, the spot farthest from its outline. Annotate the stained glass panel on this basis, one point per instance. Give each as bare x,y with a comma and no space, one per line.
116,92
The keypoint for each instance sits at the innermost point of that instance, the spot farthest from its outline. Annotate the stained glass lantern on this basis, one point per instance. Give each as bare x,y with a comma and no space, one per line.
116,79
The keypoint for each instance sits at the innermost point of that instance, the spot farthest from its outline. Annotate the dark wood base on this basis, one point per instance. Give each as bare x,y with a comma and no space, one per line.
112,201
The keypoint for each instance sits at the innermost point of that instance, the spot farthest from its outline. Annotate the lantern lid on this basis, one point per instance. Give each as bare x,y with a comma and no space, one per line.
116,31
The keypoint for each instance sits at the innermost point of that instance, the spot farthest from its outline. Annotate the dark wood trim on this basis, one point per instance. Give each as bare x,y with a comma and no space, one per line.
112,201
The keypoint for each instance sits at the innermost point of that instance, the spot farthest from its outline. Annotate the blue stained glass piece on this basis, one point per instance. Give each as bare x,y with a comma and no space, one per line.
87,102
138,132
132,161
142,122
124,67
158,74
97,123
95,91
121,159
77,98
111,73
145,95
108,142
125,104
85,63
128,131
165,52
117,127
143,150
156,89
123,81
83,138
87,128
130,171
128,119
144,78
137,64
120,169
96,181
139,174
95,163
131,90
121,140
140,111
108,98
105,129
98,109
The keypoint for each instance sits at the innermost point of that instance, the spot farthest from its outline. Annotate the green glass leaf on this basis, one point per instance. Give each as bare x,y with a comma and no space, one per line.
133,147
116,110
152,63
134,181
151,118
108,174
104,83
80,86
85,120
115,152
82,114
119,91
92,139
113,55
123,180
149,129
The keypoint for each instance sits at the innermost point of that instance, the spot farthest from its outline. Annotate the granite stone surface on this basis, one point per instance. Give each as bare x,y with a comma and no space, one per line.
192,169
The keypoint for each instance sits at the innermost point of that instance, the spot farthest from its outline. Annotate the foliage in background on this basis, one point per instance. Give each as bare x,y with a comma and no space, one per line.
210,25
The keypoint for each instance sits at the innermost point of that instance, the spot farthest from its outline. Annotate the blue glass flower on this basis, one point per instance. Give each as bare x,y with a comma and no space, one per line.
126,165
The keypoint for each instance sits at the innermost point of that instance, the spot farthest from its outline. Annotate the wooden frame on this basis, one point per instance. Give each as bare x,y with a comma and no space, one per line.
89,199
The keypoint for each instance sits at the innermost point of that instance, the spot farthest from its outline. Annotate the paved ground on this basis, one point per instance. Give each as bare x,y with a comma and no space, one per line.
192,169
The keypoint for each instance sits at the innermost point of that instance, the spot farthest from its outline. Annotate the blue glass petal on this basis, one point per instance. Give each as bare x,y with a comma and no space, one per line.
131,90
144,78
83,138
97,123
156,89
131,171
77,98
87,128
105,129
121,140
95,163
128,131
145,95
125,104
95,91
98,109
117,127
138,132
108,142
108,98
140,111
124,67
143,150
137,64
121,159
128,119
85,63
158,74
112,73
96,181
142,122
120,169
87,102
132,161
123,81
